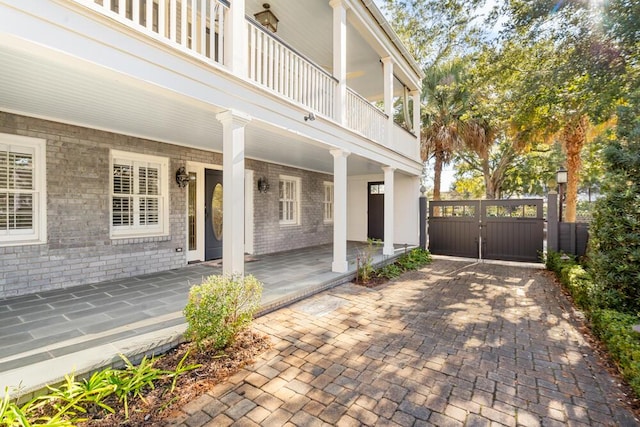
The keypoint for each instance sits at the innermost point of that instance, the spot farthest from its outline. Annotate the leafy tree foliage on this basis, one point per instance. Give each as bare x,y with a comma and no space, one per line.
445,102
436,31
615,231
614,246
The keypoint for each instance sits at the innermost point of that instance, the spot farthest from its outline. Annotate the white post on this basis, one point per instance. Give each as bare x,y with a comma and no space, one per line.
233,124
387,70
339,264
235,40
340,57
388,249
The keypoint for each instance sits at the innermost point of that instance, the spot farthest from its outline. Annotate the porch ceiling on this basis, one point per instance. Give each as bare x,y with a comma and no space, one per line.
64,89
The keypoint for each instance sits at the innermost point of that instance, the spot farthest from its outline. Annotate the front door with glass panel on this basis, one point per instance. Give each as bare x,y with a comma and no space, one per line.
213,215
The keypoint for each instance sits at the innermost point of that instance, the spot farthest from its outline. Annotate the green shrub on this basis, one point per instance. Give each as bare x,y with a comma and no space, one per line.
221,307
390,271
414,259
615,331
614,233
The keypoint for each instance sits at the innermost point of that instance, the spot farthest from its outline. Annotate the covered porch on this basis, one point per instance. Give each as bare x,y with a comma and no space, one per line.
86,327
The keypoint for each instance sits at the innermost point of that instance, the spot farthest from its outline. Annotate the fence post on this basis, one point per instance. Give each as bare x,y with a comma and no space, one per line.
423,222
552,221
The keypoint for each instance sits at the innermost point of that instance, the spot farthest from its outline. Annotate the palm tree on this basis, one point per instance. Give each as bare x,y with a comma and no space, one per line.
445,101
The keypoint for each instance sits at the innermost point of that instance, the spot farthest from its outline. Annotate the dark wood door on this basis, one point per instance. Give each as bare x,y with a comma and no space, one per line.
213,215
375,206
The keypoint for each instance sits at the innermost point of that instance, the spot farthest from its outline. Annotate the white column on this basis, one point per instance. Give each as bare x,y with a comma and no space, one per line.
387,249
415,94
387,72
340,57
339,264
233,124
235,39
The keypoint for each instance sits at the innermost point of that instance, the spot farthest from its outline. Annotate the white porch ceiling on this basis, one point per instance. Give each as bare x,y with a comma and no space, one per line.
64,89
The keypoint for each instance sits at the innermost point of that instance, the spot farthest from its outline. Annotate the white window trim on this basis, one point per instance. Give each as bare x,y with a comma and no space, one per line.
298,192
162,229
39,234
325,202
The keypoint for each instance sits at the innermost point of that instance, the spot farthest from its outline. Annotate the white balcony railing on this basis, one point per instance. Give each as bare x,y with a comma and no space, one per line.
197,27
365,118
280,68
193,26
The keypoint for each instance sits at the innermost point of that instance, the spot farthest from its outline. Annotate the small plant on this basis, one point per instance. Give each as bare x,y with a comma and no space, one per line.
364,260
221,307
67,405
390,271
414,259
133,380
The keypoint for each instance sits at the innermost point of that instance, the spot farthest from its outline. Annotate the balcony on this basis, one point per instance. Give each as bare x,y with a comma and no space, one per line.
202,29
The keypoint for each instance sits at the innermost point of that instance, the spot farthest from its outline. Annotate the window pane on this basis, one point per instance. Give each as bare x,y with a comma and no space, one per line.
148,179
20,171
4,211
122,179
122,214
149,212
192,212
4,169
21,207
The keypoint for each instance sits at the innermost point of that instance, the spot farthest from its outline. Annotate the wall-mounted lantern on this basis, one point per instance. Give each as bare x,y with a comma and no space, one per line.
182,177
263,185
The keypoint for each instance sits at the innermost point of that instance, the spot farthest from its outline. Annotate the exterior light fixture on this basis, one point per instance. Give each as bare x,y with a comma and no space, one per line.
267,18
263,185
311,117
182,178
561,177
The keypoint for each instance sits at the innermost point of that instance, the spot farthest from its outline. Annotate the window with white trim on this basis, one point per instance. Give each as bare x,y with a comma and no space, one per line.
289,204
23,198
327,204
139,195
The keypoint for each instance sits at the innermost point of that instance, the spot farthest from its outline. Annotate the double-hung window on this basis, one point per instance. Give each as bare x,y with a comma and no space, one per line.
327,204
139,195
289,205
23,199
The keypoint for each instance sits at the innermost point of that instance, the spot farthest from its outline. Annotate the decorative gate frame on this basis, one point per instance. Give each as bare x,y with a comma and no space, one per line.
511,230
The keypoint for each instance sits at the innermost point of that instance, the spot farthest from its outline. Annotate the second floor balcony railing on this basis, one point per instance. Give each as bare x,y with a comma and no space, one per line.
280,68
198,28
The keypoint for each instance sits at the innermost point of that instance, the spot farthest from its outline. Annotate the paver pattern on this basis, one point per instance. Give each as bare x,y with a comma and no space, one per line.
454,344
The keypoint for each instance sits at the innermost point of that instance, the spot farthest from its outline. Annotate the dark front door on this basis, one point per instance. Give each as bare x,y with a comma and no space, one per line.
213,214
375,229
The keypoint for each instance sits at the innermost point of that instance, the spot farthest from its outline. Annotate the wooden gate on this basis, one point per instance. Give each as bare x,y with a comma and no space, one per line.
511,230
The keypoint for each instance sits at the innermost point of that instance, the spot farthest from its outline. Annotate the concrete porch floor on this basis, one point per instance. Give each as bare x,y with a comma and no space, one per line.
49,334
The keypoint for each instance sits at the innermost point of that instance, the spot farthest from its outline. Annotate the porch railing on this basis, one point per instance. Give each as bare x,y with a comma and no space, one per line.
364,117
197,27
280,68
194,26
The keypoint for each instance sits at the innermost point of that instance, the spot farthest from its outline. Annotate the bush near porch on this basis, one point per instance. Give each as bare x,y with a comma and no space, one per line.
612,326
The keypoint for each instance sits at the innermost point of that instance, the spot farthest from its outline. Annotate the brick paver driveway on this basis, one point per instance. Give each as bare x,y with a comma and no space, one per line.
453,344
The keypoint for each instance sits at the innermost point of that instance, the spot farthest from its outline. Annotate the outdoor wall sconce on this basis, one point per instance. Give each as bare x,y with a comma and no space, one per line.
182,178
310,117
263,185
267,18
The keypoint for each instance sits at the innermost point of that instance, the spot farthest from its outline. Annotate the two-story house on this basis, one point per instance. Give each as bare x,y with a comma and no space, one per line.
141,135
